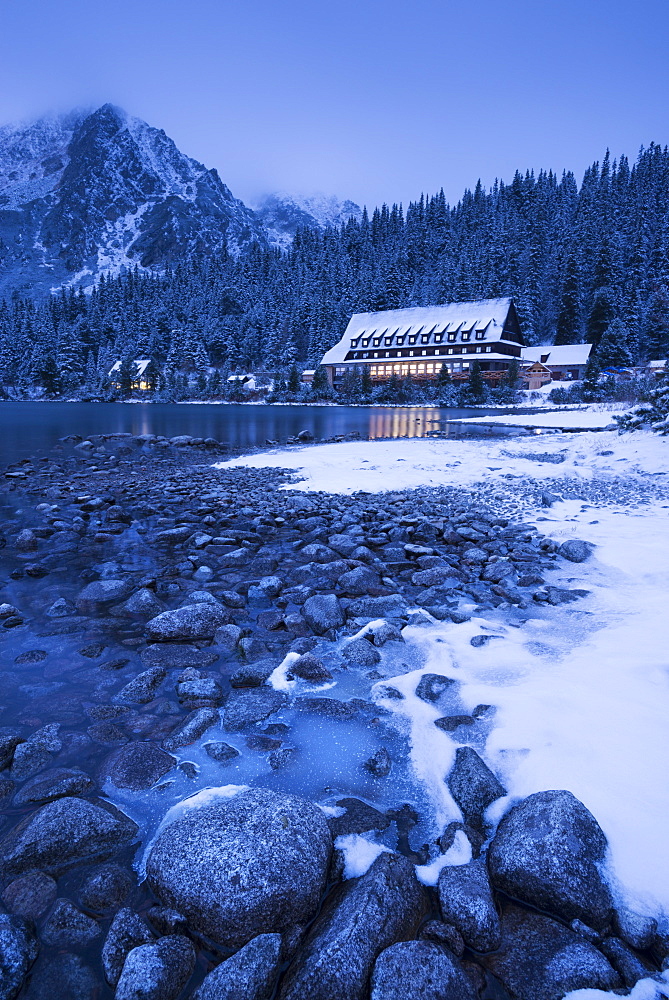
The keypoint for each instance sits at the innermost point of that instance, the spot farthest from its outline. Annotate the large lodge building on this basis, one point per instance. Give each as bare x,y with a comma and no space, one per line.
419,342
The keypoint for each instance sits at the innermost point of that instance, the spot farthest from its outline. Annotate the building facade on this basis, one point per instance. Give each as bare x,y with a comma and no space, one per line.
551,364
419,342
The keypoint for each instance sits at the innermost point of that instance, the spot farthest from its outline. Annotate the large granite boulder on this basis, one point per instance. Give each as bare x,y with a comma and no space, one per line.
62,833
547,851
419,969
365,916
540,958
252,864
249,974
323,612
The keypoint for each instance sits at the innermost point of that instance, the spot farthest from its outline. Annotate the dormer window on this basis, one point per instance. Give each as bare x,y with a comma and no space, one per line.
480,334
388,341
377,341
400,341
354,343
413,339
438,337
451,338
465,336
425,339
365,343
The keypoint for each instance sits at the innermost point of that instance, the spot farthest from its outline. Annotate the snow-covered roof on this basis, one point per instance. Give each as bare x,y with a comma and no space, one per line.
658,364
141,364
484,315
563,354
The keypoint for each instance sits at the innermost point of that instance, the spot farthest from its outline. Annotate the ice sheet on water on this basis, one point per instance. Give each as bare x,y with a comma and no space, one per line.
645,989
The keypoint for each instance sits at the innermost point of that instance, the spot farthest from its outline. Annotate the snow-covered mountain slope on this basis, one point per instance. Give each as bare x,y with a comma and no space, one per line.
91,193
283,214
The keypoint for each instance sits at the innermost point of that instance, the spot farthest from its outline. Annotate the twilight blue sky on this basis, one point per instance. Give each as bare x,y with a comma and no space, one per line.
368,99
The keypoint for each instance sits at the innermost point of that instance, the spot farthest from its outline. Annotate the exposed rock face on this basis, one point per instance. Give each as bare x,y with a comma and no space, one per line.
367,915
465,899
546,852
249,974
418,969
94,192
64,832
541,958
253,864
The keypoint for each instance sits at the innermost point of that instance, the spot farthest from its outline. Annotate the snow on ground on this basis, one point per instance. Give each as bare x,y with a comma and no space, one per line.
410,462
581,692
592,419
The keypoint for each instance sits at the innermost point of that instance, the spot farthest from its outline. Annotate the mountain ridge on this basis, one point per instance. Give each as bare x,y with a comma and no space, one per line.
95,192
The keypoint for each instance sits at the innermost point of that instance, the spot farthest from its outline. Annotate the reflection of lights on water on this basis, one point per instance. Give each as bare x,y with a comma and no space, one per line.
402,422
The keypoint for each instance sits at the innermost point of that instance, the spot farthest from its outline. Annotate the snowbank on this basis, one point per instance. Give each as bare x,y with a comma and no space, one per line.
406,463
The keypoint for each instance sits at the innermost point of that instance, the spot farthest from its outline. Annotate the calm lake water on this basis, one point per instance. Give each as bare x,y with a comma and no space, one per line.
29,428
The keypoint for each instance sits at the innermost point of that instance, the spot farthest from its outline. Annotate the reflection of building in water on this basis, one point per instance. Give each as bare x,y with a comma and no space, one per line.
403,421
419,342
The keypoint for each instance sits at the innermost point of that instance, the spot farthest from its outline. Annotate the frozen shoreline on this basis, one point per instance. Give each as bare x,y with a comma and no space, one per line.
583,699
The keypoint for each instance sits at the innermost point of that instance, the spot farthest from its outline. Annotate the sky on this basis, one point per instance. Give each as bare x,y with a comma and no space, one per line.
374,100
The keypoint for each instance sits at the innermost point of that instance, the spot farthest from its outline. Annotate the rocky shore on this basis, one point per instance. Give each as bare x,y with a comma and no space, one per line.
151,605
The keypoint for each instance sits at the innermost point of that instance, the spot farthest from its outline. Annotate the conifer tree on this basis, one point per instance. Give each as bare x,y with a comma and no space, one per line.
614,349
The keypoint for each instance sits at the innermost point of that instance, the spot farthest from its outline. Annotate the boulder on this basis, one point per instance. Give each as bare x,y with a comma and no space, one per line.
157,971
360,919
419,969
250,974
127,931
69,927
221,752
194,621
102,591
465,900
30,896
540,958
137,766
359,581
106,888
546,852
473,786
309,668
54,784
142,688
431,687
191,728
252,864
392,606
177,656
62,833
323,612
361,652
18,951
575,550
248,705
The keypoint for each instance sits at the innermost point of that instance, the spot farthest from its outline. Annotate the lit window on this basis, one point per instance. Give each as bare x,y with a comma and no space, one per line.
412,340
400,340
377,341
465,336
365,343
451,338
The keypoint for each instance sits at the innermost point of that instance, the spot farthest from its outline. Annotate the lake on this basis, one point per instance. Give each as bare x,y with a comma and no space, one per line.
28,428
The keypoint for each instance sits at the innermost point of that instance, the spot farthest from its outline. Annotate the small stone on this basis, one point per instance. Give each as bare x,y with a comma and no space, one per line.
127,931
138,766
361,652
157,971
30,896
69,927
18,951
309,668
106,888
323,612
249,974
431,686
575,550
379,763
191,728
221,752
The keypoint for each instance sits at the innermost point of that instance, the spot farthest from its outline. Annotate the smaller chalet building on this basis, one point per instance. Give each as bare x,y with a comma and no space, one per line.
419,342
547,364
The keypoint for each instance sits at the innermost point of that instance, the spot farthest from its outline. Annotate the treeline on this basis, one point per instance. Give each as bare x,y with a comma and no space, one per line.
575,259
